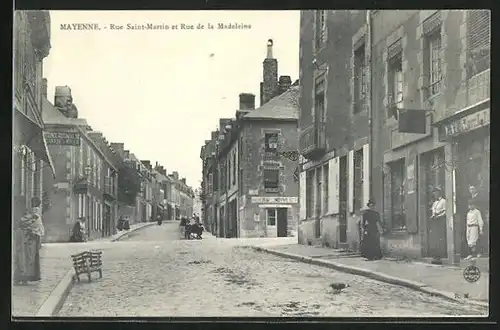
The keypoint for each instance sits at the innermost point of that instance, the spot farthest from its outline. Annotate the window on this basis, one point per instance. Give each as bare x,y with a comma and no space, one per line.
395,73
398,219
271,142
309,193
271,179
325,188
18,54
271,217
229,169
434,60
320,29
319,100
234,169
210,186
358,179
359,78
478,40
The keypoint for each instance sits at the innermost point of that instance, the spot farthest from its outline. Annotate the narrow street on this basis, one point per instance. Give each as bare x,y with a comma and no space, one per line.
153,273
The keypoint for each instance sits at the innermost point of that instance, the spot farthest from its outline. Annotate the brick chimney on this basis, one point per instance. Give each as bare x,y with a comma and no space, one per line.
183,180
44,88
269,85
175,175
284,84
247,101
119,148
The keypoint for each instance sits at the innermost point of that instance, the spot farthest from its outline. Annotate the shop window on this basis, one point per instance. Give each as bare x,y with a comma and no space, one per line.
309,193
358,180
271,179
398,214
271,217
359,79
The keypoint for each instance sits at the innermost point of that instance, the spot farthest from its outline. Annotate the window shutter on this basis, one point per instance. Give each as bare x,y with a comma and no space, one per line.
350,181
387,199
302,195
333,186
366,173
478,29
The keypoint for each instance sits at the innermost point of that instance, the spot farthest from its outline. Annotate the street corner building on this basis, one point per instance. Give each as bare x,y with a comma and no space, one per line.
86,181
31,37
250,179
415,86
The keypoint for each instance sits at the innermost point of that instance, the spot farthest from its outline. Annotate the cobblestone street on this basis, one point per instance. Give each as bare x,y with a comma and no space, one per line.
153,273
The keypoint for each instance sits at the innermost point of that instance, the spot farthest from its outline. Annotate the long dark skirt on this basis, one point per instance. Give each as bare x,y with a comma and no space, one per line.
437,237
370,245
27,257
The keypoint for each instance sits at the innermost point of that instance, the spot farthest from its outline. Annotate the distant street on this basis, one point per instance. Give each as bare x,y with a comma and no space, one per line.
153,273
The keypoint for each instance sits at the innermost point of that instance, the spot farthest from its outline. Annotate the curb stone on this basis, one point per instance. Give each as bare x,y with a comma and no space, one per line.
53,304
422,287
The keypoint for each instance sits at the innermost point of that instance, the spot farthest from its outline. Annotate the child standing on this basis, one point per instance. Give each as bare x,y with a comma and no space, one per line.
474,229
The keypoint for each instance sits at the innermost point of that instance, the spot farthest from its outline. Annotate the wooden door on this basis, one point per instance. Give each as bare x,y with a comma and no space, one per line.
282,222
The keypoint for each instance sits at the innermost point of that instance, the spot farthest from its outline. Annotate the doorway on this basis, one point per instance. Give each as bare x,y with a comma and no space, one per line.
434,176
343,199
107,221
282,222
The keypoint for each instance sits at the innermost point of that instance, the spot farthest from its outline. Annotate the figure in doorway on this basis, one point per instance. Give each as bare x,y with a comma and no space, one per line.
437,227
474,229
370,228
481,203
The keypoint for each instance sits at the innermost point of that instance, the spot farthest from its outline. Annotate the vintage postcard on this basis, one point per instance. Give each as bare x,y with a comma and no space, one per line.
315,163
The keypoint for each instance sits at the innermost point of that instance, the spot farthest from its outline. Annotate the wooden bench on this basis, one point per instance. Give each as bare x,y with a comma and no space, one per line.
87,262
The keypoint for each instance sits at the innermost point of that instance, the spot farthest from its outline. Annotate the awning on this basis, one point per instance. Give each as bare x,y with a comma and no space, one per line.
32,135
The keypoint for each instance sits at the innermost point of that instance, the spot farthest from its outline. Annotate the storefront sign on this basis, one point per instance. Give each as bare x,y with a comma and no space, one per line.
275,200
62,138
465,124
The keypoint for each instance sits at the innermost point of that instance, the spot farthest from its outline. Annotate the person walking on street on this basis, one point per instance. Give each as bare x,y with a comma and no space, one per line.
370,233
482,204
28,232
474,229
437,227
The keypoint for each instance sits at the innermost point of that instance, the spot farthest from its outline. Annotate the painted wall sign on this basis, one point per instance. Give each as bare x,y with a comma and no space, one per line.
62,138
465,124
274,200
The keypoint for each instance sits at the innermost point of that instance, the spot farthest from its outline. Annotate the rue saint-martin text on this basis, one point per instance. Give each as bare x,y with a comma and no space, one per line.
151,26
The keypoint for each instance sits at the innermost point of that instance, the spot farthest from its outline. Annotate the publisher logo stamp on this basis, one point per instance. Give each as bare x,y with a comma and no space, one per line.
472,274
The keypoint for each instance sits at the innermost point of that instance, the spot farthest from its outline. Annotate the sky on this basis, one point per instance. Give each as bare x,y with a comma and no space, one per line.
161,92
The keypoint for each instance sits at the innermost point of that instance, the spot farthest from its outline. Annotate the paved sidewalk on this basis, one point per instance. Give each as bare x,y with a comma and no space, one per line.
55,263
442,280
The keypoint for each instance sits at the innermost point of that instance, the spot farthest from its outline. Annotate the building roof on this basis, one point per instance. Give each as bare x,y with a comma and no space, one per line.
282,107
52,116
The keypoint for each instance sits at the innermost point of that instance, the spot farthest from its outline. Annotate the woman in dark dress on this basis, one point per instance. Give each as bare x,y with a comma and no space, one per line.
370,233
78,232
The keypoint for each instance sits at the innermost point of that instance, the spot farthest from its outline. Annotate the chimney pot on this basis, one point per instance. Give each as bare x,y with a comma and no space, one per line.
247,101
269,48
284,84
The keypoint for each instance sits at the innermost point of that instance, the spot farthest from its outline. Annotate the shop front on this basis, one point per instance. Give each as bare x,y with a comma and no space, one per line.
468,132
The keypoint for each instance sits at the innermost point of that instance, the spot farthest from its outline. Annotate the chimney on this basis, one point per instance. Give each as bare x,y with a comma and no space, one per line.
175,175
183,180
126,154
146,164
247,101
269,85
119,148
284,84
44,88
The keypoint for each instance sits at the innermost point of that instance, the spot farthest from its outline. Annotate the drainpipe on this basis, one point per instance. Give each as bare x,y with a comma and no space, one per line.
370,95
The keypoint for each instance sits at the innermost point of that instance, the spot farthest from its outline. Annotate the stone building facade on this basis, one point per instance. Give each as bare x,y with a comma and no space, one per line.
30,158
436,62
333,125
86,180
249,188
